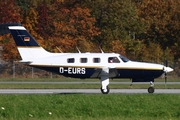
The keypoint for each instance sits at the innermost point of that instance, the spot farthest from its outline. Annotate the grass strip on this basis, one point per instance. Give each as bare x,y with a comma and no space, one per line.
68,79
90,106
85,86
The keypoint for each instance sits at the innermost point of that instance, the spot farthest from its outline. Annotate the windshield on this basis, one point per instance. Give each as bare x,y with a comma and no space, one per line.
124,59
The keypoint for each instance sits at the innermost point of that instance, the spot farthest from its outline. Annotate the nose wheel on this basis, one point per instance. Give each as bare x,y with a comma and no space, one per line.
151,89
105,91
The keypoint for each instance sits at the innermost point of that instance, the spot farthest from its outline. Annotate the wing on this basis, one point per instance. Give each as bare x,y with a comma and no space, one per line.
112,73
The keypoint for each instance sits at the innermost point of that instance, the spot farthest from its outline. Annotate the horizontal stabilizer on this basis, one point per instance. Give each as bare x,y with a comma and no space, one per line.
4,27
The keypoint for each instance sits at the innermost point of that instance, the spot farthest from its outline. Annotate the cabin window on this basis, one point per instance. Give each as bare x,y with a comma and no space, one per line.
83,60
96,60
70,60
113,60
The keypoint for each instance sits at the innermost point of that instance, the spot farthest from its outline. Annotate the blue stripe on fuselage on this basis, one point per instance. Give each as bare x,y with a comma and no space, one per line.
88,72
129,73
20,36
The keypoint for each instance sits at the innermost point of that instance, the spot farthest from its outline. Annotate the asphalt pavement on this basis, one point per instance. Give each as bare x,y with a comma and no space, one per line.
86,91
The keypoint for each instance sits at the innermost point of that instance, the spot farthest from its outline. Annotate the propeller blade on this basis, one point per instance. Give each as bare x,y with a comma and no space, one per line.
165,78
166,63
166,70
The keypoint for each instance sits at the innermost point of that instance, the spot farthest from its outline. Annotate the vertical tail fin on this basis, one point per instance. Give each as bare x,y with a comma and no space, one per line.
21,37
26,44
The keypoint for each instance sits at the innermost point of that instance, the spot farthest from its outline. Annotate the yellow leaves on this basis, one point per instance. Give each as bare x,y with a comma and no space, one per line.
66,45
74,26
9,51
153,52
162,22
9,12
1,37
117,47
156,10
31,23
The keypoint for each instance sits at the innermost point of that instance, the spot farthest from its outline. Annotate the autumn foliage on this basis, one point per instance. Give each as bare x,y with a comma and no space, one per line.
146,30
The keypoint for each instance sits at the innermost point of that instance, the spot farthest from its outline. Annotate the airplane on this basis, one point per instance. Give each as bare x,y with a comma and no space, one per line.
104,66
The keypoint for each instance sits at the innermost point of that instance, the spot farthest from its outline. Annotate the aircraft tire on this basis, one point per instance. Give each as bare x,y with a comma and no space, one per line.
105,92
151,90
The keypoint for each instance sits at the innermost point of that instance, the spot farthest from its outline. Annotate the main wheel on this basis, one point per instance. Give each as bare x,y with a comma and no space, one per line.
105,91
151,90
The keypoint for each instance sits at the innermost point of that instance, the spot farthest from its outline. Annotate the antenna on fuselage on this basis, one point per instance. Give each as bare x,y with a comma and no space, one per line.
101,50
59,49
78,49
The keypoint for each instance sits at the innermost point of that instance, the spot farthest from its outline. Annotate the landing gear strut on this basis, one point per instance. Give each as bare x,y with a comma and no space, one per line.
105,80
151,89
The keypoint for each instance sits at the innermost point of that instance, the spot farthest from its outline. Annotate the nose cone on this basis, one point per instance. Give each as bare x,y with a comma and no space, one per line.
168,69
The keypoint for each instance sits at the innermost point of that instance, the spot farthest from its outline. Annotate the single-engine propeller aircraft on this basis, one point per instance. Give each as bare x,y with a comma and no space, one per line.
83,65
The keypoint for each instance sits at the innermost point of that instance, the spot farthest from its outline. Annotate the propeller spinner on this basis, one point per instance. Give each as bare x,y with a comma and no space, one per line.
166,70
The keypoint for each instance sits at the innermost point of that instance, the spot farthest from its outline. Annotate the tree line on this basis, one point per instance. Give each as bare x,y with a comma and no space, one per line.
145,30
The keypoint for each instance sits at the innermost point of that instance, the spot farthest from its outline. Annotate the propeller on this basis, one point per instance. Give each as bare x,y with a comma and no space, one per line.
166,68
165,72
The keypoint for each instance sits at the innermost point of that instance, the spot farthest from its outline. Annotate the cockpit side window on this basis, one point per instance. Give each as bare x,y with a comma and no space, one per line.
124,59
113,60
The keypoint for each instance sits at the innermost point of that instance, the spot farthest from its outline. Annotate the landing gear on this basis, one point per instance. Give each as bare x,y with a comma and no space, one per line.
151,89
105,80
105,91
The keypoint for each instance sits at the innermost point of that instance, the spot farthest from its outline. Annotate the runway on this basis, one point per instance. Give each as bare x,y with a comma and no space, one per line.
86,91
